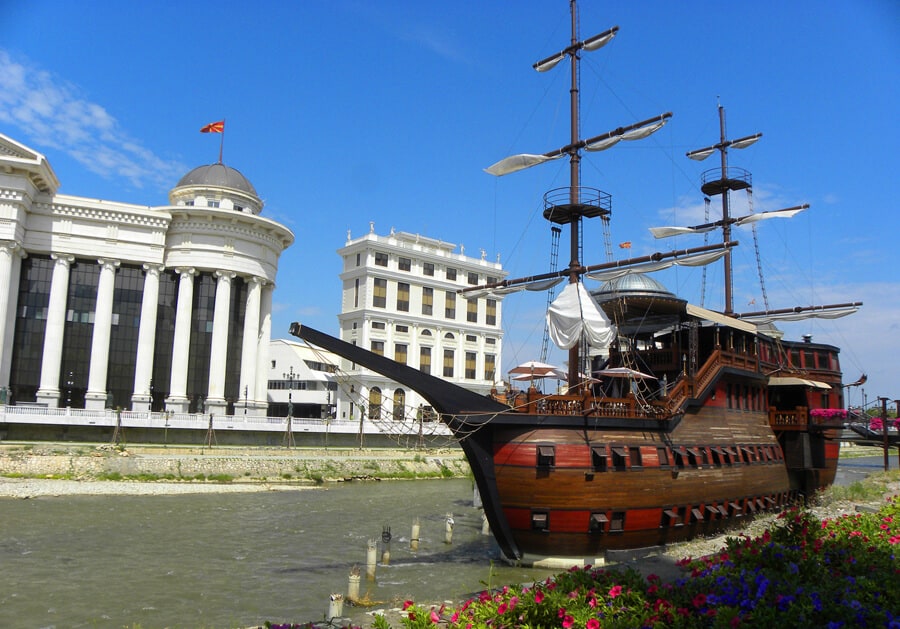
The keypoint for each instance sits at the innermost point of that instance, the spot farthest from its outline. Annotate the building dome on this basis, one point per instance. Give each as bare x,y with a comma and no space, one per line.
637,303
218,175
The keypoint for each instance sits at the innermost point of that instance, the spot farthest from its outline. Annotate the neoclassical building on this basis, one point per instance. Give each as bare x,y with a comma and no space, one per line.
108,304
400,300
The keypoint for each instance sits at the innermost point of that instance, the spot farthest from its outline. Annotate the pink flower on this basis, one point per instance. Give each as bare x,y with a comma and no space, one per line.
434,617
538,596
615,590
407,605
502,608
593,623
568,621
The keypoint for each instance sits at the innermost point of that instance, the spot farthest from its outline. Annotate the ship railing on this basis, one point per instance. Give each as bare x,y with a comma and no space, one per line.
589,405
788,419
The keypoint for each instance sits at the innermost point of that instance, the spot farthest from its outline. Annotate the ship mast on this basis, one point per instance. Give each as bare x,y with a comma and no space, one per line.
721,181
570,206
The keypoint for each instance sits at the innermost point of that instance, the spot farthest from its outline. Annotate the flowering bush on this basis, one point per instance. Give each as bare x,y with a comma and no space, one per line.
802,573
876,424
828,413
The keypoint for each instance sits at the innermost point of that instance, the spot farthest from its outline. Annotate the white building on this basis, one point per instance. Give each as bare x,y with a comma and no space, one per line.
400,300
301,380
111,304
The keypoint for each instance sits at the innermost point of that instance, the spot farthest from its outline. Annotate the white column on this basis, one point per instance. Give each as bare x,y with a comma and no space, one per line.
10,263
250,341
95,398
143,370
48,393
262,353
177,400
218,355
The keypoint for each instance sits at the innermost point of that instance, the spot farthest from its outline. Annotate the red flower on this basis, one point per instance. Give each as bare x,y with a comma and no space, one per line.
593,623
568,621
538,597
407,605
434,617
615,591
699,600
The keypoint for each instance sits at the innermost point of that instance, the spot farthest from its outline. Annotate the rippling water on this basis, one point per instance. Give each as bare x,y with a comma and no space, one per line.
234,560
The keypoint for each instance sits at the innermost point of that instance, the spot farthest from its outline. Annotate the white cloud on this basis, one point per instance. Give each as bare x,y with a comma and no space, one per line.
52,112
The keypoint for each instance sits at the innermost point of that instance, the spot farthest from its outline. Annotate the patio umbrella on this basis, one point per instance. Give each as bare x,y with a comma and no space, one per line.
532,366
623,372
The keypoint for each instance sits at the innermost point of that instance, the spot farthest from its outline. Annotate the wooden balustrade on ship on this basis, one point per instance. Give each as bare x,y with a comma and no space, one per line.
785,419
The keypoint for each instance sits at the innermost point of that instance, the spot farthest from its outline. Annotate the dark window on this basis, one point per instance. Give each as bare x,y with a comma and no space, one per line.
598,523
472,277
381,258
451,274
546,456
402,329
379,294
450,305
425,359
448,363
634,455
663,454
620,457
540,521
599,459
617,522
428,269
31,320
403,297
378,347
472,310
490,317
404,264
470,365
427,300
490,367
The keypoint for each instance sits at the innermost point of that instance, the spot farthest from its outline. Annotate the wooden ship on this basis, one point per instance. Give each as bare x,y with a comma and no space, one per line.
678,421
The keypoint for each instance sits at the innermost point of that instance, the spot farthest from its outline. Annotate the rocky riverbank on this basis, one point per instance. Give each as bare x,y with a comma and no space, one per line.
58,469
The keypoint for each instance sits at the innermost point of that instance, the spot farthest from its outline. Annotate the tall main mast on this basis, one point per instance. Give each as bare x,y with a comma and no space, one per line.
577,203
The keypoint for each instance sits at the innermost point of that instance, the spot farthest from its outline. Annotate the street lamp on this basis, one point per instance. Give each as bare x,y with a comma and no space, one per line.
69,384
245,401
290,378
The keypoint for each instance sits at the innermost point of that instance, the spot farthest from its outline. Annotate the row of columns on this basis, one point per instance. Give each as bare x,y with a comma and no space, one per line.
254,347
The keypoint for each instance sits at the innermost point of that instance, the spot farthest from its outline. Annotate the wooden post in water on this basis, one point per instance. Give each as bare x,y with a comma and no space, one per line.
386,551
414,536
485,525
370,560
335,606
884,432
353,585
448,529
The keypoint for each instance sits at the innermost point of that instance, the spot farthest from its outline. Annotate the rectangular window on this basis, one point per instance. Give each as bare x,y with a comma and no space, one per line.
490,367
425,360
400,353
472,277
428,269
357,259
450,305
490,317
471,359
427,300
490,341
451,274
448,363
402,329
471,338
546,456
356,293
379,295
378,347
404,264
381,258
402,296
599,462
378,325
472,310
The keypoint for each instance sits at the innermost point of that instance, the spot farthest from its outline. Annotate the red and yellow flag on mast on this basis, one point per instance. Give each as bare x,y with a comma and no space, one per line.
216,127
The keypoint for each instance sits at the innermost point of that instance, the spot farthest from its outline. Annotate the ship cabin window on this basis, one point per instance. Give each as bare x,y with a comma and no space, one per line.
619,458
680,457
546,457
634,456
696,514
737,509
718,457
712,512
662,454
671,517
599,460
598,523
617,522
540,521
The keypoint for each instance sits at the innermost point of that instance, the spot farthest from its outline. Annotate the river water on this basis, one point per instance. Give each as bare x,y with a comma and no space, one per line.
236,560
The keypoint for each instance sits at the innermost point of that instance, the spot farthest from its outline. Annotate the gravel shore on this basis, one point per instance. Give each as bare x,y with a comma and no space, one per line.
43,487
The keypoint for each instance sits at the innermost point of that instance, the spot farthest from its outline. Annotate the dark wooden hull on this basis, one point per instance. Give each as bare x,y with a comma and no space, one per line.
577,484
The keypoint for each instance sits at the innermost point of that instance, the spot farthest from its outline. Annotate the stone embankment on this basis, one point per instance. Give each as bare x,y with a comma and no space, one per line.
215,468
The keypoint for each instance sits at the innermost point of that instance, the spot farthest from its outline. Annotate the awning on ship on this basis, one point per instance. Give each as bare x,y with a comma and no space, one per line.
789,381
717,317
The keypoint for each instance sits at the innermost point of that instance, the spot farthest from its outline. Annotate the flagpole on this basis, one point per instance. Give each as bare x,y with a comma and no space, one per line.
222,141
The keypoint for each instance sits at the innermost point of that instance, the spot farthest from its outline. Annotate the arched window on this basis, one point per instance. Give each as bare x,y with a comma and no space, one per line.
375,403
399,405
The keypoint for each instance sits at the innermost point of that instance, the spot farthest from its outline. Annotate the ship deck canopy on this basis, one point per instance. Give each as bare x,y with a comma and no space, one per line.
717,317
792,381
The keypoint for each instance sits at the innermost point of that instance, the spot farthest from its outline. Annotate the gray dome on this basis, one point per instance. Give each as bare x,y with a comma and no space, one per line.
633,284
218,175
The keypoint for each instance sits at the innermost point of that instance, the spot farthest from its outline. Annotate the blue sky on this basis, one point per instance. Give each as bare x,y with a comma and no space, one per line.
345,112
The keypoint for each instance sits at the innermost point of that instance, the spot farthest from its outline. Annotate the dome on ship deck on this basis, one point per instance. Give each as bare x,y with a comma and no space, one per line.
637,303
218,175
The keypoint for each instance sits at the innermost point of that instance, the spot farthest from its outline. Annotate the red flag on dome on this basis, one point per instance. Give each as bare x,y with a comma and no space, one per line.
214,127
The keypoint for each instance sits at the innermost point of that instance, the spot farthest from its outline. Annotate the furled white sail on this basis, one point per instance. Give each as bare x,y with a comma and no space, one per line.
702,154
516,163
574,313
832,313
538,285
635,134
697,259
666,232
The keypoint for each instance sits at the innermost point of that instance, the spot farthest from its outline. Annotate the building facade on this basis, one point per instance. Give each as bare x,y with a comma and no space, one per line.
400,300
301,380
114,305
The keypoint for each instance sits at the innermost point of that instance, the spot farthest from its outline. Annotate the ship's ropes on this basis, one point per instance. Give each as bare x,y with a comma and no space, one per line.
551,293
759,270
706,203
